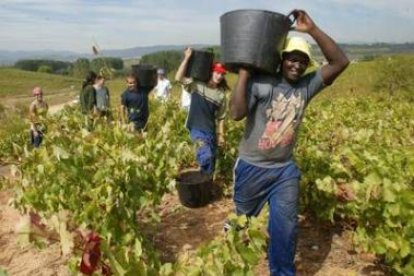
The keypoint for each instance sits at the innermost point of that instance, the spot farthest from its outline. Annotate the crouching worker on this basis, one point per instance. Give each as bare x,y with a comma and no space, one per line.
37,111
208,105
265,171
134,103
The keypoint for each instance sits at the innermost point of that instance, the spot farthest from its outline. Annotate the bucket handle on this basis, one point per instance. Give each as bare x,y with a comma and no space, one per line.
291,21
210,50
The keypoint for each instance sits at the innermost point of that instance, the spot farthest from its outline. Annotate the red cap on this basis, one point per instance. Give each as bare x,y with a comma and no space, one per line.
219,68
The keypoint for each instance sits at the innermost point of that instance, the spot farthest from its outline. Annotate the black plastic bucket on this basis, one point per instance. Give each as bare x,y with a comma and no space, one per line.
146,74
199,65
194,188
253,39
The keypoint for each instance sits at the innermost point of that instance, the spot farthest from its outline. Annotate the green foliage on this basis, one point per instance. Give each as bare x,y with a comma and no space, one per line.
45,69
114,63
216,50
81,67
3,272
34,65
102,179
352,136
105,66
169,60
14,137
396,73
365,145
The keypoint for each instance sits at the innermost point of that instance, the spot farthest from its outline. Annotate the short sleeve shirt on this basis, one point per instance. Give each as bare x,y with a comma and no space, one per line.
207,105
137,104
162,89
275,111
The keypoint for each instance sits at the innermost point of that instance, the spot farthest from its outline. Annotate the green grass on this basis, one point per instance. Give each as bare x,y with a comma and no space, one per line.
19,83
14,83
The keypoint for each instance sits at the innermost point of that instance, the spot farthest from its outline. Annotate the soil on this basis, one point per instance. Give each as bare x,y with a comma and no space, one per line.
323,248
24,260
53,98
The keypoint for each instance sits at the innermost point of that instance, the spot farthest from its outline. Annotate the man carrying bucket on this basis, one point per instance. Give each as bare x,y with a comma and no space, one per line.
265,170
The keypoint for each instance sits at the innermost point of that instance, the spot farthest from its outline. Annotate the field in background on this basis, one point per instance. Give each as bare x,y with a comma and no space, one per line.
18,83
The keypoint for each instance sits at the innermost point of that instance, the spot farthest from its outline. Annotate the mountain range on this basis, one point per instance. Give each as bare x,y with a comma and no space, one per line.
8,57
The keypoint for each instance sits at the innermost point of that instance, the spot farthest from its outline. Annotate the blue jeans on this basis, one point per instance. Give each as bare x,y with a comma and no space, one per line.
254,186
206,149
36,140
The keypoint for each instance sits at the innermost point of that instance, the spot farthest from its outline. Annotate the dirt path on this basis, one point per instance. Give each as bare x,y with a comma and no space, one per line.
25,260
56,108
323,249
53,98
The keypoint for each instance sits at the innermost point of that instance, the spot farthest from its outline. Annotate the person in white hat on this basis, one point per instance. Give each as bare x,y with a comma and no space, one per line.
163,87
265,171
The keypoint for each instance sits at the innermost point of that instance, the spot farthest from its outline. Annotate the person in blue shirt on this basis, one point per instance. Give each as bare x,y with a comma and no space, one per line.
134,103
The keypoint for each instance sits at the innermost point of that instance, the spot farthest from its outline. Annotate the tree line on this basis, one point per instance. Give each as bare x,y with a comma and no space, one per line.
78,68
169,60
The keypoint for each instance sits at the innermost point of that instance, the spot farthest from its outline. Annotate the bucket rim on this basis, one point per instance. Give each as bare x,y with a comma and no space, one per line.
206,178
255,10
188,170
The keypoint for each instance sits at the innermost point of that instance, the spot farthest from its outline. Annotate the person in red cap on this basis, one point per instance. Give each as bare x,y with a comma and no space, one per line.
208,105
37,111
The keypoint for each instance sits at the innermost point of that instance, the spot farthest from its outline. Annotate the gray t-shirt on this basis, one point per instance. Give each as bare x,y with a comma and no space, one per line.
275,111
102,98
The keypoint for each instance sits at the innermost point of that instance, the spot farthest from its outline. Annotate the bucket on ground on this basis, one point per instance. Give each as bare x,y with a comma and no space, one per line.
146,74
253,39
194,188
199,65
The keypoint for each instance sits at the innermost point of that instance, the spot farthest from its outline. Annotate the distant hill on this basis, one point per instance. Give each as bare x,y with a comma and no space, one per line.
355,51
140,51
367,51
10,57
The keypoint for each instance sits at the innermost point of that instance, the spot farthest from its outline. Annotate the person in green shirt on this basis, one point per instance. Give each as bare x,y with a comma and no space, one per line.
87,96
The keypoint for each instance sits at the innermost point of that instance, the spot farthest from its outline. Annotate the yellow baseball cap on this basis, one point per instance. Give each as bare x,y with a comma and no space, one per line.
296,43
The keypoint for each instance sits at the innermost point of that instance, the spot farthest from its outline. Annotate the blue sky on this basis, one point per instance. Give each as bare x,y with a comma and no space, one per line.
75,24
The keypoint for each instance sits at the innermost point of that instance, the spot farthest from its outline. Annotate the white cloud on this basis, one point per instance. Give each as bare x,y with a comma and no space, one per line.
72,24
403,8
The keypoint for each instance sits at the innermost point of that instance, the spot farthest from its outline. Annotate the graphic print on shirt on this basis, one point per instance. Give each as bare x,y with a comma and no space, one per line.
283,118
